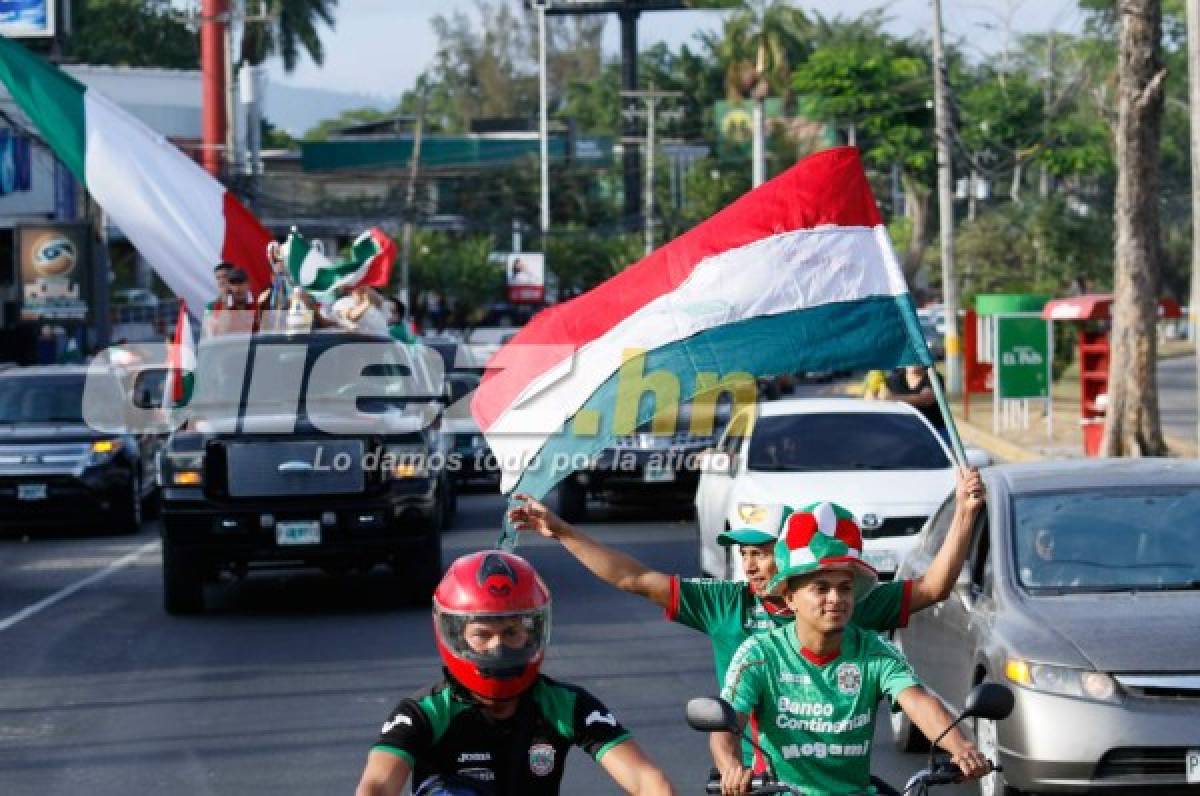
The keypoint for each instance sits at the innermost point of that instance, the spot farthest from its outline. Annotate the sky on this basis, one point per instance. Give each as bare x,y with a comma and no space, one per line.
378,47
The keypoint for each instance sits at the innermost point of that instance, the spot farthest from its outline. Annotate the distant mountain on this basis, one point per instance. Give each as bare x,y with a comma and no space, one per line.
297,110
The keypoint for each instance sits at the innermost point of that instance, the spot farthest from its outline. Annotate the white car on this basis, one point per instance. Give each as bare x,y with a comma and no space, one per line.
882,460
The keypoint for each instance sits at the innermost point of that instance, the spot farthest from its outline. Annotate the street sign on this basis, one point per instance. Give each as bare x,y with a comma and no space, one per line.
1022,358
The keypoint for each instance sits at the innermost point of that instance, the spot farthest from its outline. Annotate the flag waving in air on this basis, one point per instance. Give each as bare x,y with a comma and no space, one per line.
178,217
181,363
371,257
795,275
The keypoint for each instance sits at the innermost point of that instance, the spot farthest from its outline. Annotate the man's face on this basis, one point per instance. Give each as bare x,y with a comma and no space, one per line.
758,564
1044,545
222,276
486,636
823,600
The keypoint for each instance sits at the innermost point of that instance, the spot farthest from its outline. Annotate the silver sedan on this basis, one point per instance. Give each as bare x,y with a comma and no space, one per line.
1081,590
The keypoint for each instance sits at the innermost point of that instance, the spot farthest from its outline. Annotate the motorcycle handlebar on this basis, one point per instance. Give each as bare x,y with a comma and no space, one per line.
760,785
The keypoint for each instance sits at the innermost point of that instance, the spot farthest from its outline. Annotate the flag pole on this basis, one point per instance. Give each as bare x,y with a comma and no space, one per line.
956,445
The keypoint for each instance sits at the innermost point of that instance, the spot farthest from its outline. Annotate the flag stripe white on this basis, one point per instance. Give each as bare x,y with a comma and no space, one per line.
160,199
801,269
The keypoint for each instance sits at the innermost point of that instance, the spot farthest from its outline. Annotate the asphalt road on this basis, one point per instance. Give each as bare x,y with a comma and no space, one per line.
282,686
1177,396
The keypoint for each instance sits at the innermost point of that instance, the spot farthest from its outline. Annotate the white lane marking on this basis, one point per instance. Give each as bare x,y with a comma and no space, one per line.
63,594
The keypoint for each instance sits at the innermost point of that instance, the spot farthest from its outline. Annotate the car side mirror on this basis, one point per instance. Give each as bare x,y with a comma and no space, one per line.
989,701
711,714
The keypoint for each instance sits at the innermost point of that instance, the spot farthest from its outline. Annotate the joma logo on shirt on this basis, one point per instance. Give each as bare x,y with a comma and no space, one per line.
401,719
603,718
795,678
475,757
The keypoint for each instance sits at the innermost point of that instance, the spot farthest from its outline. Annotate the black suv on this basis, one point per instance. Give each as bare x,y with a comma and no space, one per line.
309,450
54,466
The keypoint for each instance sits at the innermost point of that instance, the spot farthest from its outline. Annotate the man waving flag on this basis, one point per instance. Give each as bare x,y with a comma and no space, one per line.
795,275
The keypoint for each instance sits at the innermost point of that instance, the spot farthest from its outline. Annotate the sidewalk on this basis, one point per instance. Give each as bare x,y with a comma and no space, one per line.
1033,443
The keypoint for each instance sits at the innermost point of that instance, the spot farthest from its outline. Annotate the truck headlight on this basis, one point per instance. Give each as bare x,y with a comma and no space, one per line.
1062,680
105,449
405,462
183,468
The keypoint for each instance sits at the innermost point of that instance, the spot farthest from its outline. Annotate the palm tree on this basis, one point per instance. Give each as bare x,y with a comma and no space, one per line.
286,28
756,47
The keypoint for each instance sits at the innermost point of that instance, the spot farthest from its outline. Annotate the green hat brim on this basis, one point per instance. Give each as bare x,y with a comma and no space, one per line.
745,536
865,576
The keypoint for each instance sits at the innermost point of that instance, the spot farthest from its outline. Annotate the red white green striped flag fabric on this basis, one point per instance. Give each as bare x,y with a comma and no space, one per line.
179,217
181,362
370,263
798,274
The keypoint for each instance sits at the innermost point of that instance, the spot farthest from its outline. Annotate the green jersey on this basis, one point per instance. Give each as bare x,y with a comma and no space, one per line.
816,715
728,612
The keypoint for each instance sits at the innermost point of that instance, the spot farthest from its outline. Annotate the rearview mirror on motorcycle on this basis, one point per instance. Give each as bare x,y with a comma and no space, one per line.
711,714
988,701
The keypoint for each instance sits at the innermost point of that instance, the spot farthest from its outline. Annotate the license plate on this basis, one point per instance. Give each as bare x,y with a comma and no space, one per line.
656,473
294,533
1193,765
31,491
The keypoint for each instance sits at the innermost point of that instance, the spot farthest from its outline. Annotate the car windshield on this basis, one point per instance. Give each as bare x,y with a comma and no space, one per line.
57,399
222,374
1110,540
834,441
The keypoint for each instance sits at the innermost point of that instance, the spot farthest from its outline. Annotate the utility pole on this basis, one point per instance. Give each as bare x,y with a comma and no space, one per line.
213,20
1193,48
1044,179
942,123
543,122
651,98
410,194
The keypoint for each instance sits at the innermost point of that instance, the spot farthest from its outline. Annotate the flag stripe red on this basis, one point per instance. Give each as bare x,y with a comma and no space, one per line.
828,188
245,243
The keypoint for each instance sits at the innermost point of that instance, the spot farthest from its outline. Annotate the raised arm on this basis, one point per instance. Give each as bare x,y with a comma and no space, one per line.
629,767
927,713
611,566
937,583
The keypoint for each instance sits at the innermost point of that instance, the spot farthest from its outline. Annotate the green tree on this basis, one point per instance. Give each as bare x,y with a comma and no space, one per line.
142,33
860,76
295,27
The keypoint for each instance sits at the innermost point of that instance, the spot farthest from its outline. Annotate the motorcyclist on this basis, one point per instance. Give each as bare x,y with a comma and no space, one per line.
495,725
814,685
729,611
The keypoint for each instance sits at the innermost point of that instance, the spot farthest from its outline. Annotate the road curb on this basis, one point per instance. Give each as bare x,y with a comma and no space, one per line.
998,447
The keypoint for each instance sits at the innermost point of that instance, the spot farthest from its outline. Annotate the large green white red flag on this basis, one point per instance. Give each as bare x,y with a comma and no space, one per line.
179,217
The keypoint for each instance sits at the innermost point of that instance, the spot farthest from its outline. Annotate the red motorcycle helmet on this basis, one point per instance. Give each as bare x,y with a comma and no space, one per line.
491,617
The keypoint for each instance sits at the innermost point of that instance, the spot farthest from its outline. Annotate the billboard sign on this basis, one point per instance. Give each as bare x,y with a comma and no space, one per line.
54,268
1022,357
28,19
525,274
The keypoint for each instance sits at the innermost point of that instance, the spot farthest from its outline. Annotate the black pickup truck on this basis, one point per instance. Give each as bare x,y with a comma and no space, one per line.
310,450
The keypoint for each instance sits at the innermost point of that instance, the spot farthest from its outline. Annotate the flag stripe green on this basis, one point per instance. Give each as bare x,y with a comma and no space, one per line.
52,99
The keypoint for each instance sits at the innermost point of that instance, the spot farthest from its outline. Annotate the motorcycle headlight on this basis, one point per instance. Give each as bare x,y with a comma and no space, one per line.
1062,680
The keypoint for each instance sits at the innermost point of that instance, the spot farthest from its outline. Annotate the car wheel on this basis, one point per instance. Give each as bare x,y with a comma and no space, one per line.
907,737
987,742
572,500
183,584
127,518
